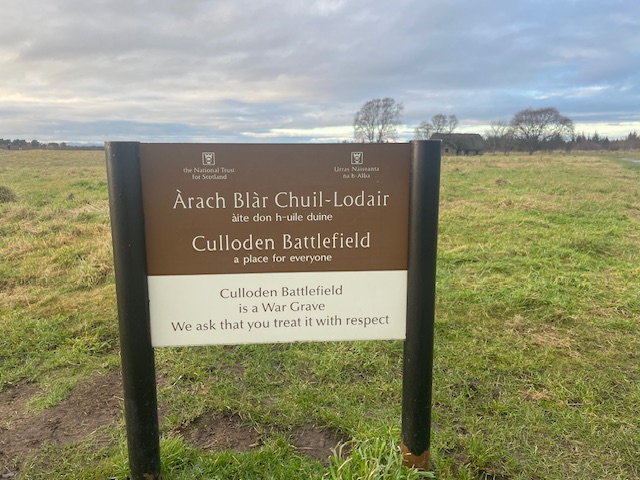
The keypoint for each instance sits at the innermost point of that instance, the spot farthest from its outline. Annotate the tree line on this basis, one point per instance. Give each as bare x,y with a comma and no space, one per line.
501,136
528,130
18,144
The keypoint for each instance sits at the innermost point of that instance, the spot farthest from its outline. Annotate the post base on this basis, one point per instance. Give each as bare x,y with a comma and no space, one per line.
419,462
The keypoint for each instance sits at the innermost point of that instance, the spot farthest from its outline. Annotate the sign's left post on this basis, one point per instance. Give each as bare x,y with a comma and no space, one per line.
137,356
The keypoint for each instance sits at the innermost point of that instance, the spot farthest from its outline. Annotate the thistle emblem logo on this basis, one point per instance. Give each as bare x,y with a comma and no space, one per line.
357,158
208,158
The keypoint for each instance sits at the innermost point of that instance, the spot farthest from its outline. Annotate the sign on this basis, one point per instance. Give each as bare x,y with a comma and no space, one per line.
275,243
260,243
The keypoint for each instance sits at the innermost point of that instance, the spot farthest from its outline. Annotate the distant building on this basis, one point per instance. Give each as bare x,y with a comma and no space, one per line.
460,143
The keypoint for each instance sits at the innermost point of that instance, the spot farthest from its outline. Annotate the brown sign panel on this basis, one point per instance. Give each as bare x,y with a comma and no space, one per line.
225,208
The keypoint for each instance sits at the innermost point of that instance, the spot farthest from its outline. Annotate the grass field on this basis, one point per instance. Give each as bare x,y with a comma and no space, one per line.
537,364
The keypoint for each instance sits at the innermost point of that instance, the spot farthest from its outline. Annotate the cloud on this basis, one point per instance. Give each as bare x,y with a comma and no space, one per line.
298,70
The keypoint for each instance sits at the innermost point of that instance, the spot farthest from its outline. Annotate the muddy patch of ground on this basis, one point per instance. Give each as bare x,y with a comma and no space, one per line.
94,403
213,432
97,402
317,443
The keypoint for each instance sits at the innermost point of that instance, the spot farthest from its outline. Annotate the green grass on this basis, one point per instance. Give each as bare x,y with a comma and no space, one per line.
537,371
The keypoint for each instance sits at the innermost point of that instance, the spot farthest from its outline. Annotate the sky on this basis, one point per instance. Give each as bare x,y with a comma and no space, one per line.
89,71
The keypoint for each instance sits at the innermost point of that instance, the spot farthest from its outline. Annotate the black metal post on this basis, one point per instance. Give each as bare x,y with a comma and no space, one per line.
418,346
138,362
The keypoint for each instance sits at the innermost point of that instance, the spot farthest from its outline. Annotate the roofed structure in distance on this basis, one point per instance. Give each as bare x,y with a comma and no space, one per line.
460,143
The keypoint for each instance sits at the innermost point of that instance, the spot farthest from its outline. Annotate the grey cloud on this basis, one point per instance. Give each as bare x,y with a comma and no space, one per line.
232,67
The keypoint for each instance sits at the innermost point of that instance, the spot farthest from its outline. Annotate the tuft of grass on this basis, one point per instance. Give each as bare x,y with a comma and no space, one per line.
371,458
6,195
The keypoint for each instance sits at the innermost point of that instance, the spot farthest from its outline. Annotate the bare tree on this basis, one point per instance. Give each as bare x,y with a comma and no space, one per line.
536,128
452,123
499,136
439,123
377,120
423,131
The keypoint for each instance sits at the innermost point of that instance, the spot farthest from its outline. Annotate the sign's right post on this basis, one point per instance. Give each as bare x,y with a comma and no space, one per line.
421,294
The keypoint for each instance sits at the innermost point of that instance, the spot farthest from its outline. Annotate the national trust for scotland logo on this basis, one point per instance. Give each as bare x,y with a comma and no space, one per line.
208,158
357,158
